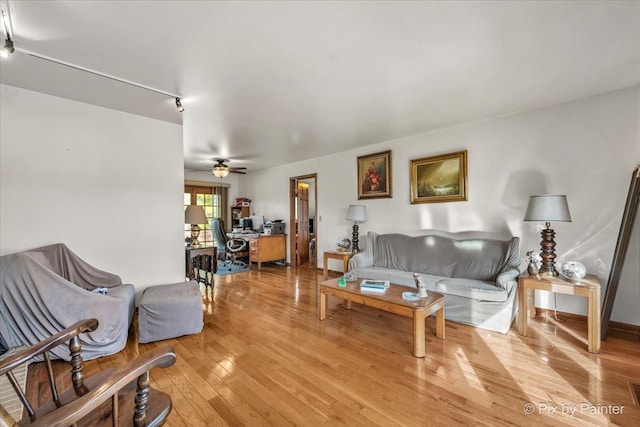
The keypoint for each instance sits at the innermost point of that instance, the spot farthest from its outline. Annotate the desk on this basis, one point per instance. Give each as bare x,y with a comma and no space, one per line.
193,258
263,247
588,287
267,247
244,236
344,256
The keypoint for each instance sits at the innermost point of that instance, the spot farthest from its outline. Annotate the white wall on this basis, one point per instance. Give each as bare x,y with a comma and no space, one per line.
106,183
585,149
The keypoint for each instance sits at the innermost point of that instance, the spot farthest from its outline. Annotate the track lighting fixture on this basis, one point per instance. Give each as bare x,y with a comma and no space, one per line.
8,48
179,105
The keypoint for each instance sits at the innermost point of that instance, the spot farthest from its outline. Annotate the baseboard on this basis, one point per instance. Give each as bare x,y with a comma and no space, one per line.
612,325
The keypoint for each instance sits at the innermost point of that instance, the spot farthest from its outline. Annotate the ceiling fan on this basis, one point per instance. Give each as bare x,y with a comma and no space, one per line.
220,169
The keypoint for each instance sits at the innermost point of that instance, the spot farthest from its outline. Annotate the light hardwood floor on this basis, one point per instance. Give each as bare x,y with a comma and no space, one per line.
264,358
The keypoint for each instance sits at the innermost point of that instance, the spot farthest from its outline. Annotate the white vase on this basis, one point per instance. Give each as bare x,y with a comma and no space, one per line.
573,270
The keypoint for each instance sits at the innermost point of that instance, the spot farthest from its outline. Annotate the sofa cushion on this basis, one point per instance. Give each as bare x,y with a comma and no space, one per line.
469,288
397,277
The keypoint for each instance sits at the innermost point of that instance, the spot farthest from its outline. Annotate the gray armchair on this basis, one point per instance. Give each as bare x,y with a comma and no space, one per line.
45,290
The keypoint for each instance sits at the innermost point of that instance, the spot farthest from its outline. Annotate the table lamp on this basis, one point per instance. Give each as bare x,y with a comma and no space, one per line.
548,208
357,214
195,215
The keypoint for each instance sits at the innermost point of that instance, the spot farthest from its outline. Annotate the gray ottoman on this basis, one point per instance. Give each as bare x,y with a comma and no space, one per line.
169,311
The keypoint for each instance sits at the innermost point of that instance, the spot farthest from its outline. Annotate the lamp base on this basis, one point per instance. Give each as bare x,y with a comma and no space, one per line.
553,273
354,238
548,249
195,232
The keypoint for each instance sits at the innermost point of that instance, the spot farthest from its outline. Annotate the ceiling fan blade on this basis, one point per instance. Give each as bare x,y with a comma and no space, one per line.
199,170
235,171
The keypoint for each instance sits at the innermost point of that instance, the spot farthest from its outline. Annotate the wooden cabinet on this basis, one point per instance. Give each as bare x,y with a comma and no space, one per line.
238,212
267,248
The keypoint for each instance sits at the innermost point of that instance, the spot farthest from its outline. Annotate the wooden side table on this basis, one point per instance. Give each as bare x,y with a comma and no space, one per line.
193,259
588,287
344,256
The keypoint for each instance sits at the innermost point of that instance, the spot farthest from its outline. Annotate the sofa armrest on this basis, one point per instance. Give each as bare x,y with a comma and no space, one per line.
360,260
508,280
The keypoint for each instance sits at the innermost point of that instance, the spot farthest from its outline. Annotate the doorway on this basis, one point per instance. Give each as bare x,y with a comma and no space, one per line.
303,209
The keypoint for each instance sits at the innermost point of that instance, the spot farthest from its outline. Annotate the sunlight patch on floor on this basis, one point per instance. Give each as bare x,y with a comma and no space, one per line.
565,396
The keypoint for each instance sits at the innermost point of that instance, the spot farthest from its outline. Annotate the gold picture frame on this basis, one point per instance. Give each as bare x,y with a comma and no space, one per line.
374,176
439,179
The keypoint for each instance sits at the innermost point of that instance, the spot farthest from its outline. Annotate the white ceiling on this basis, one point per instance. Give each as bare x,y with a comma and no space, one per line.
267,83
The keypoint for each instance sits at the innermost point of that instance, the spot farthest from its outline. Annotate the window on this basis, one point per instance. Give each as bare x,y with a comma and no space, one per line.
213,200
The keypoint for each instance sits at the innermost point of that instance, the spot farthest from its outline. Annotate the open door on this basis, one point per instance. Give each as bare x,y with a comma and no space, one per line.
302,223
303,212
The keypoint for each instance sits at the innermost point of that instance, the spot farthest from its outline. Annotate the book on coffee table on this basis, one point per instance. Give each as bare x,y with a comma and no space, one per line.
373,290
369,285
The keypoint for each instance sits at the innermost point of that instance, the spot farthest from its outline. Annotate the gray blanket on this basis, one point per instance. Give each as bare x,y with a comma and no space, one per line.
44,290
479,259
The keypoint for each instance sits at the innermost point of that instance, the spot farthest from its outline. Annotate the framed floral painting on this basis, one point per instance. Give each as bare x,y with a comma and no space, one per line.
374,176
439,178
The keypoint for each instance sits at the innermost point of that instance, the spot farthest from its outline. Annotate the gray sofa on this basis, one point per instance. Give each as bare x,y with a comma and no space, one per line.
45,290
478,276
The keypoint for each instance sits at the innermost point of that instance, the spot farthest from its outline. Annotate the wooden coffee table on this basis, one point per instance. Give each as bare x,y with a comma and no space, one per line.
392,302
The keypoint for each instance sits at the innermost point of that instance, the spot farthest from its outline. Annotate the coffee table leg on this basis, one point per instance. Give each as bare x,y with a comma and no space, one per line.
440,323
418,334
323,305
347,304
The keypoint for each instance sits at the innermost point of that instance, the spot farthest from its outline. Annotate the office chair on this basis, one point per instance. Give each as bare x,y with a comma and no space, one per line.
231,248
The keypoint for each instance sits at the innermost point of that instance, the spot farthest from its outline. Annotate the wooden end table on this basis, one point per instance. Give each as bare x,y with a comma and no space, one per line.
344,256
202,257
588,287
392,302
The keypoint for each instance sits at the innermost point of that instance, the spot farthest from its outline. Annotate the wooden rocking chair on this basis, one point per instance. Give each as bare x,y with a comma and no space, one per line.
110,397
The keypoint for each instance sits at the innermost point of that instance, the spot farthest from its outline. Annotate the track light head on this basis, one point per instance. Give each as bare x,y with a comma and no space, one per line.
8,48
179,105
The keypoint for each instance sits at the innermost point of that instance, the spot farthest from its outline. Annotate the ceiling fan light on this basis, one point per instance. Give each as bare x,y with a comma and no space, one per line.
220,171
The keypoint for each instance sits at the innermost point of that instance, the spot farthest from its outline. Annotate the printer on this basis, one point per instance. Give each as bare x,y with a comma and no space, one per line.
274,227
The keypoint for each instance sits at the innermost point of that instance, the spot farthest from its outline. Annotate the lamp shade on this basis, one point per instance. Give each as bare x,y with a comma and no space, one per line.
194,215
357,213
548,208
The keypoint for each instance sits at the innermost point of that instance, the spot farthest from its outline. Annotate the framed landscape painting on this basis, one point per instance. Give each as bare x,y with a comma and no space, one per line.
439,178
374,176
